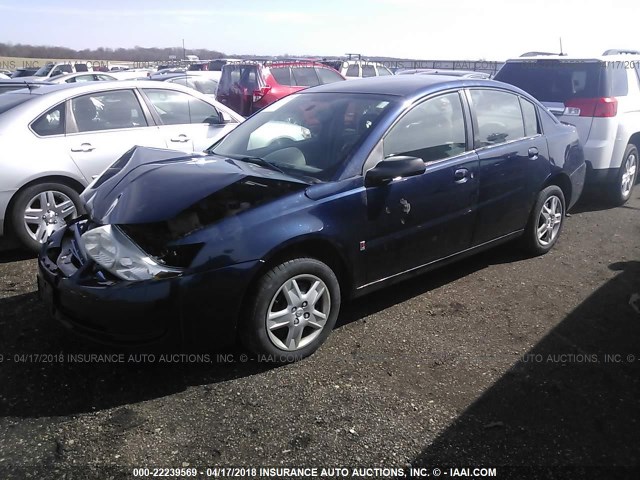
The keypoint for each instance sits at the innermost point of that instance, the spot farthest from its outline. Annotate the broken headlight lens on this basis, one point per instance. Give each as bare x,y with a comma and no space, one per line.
118,254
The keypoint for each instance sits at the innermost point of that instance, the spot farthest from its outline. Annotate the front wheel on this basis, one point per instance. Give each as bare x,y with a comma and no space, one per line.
294,310
545,222
42,209
620,190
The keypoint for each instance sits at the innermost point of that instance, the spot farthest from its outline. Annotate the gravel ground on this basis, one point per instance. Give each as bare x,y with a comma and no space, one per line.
500,360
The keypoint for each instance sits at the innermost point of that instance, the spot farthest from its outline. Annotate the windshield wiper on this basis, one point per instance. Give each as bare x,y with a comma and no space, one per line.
259,161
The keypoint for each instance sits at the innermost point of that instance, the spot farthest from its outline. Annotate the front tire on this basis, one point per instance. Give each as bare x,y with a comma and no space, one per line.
42,209
293,311
621,189
545,222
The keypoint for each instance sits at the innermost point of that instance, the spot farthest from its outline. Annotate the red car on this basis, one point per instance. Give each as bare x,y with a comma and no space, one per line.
249,86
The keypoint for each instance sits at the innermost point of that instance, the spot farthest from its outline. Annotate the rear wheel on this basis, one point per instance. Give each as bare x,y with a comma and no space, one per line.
42,209
294,310
620,190
545,222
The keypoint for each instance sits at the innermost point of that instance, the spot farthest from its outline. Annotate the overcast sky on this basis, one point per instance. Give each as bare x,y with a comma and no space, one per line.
422,29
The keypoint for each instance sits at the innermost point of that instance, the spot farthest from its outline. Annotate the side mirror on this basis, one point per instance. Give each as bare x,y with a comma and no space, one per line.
220,119
394,167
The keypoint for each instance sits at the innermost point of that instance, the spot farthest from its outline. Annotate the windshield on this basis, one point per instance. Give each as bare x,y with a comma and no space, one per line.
44,71
308,135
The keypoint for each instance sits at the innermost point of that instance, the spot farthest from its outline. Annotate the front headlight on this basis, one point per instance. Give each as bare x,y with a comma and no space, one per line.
116,253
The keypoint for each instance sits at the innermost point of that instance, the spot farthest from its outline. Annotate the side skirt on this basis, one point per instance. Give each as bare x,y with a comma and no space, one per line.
419,270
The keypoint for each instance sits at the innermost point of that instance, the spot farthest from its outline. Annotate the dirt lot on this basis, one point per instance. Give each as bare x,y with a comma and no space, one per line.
500,360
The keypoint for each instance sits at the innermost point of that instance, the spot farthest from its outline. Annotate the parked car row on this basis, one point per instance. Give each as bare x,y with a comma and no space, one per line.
260,229
329,193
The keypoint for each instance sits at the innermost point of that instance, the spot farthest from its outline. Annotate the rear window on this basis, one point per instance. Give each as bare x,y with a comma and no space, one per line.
327,75
7,102
368,71
556,81
245,76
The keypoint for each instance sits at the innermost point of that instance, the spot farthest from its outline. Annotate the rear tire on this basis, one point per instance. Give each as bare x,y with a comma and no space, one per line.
40,210
294,309
620,191
545,221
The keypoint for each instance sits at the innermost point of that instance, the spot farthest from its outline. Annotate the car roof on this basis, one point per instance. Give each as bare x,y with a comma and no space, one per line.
573,58
277,63
90,87
407,86
60,92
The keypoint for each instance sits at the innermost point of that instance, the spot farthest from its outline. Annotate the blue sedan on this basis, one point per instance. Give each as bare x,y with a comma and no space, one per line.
329,193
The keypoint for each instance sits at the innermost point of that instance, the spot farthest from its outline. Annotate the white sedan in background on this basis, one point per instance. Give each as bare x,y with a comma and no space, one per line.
55,139
83,77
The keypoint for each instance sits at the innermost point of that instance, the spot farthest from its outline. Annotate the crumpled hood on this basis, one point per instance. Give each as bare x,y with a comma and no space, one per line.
151,185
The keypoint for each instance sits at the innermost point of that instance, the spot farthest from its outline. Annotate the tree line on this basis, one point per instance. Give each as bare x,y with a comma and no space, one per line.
136,53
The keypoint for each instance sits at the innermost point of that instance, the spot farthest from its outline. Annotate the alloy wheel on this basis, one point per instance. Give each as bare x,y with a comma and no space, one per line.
298,312
550,220
47,212
629,174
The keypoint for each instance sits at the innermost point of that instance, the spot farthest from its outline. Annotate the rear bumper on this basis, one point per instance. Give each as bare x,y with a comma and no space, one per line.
196,310
600,176
578,178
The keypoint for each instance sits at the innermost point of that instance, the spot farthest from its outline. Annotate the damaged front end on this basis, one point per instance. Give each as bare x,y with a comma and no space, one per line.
152,255
144,209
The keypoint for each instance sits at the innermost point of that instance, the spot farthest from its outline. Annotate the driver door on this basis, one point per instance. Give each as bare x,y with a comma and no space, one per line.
418,220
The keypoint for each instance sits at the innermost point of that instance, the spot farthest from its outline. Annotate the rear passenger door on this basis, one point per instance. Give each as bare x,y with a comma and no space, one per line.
102,126
513,161
186,123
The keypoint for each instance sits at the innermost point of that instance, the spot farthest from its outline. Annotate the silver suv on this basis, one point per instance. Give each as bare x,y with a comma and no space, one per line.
601,97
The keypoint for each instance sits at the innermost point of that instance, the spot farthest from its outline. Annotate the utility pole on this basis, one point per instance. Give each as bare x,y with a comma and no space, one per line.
184,52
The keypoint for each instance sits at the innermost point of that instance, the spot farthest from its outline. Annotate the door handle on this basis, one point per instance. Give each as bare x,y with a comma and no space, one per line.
182,138
533,153
462,175
84,147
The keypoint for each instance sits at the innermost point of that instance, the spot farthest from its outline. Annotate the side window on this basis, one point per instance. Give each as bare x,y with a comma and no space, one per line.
305,76
104,78
282,75
327,75
499,117
353,70
619,85
180,81
51,122
368,71
432,130
107,111
202,112
383,71
57,72
81,78
178,108
206,86
530,118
